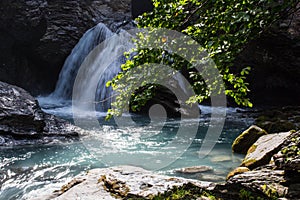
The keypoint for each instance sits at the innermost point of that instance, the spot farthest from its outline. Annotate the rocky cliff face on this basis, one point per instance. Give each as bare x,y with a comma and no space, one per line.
275,62
37,35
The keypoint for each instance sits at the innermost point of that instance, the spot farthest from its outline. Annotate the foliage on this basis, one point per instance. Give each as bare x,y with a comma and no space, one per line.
292,150
187,191
270,191
247,195
221,27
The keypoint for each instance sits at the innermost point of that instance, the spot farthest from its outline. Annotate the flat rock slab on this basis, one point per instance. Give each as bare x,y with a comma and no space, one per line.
259,181
122,182
261,152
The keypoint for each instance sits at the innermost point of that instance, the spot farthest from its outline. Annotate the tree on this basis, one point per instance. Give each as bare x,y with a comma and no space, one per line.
222,27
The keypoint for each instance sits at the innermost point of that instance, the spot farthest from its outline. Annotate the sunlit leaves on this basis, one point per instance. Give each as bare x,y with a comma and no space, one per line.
222,27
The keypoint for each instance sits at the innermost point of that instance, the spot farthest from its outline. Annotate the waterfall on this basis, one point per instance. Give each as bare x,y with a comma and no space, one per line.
88,54
86,44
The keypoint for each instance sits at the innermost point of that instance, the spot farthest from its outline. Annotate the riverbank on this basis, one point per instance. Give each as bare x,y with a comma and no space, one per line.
275,176
270,168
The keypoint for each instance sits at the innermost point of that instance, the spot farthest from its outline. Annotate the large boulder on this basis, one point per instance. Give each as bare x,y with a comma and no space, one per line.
123,182
271,181
244,141
261,152
37,35
23,122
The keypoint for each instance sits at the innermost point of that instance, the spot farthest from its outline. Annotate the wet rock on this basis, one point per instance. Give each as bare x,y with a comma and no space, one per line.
261,152
23,122
244,141
125,182
222,158
194,169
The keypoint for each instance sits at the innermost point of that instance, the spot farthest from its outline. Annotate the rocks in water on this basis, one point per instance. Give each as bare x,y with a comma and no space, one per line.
277,180
261,152
23,122
244,141
279,119
238,170
221,158
194,169
265,181
124,182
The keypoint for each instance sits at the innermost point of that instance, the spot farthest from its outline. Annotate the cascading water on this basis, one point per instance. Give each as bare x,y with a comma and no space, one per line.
89,41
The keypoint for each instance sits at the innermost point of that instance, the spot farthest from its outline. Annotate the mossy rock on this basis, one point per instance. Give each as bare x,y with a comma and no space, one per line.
238,170
244,141
261,152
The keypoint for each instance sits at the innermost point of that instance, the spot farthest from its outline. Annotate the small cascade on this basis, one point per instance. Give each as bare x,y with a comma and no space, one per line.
98,36
101,66
86,44
96,51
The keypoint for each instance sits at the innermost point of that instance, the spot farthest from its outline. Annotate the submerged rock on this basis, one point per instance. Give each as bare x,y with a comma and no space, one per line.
221,158
244,141
23,122
261,152
194,170
121,183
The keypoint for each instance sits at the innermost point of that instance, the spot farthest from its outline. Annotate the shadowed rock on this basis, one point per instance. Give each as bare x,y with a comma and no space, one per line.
23,122
244,141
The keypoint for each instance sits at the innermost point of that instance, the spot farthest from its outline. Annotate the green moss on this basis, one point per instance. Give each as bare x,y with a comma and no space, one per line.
244,141
186,192
247,195
292,150
270,191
